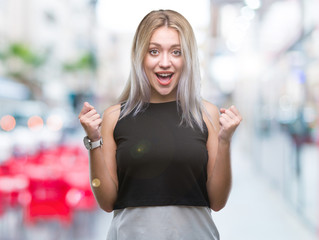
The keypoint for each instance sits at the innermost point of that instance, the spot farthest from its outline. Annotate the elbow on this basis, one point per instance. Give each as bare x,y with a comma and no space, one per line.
104,202
219,202
216,207
107,208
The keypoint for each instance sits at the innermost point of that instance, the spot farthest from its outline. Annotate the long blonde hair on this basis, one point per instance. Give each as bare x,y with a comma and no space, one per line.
137,91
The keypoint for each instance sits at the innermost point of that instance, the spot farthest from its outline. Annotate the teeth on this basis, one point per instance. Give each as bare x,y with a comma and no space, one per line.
164,75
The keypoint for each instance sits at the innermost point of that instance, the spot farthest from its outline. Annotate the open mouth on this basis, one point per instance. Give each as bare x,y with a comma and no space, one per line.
164,78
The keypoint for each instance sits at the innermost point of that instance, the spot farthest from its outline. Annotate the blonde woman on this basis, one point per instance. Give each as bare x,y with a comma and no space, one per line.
160,158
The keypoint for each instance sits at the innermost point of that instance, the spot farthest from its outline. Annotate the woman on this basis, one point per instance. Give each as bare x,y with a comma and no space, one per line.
165,158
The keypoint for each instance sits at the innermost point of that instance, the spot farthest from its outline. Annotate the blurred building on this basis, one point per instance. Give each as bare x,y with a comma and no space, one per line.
62,33
264,57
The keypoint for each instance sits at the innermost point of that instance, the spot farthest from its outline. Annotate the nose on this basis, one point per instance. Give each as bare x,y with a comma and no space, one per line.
165,61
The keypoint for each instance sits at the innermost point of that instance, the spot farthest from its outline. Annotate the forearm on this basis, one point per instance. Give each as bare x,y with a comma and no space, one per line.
103,185
220,180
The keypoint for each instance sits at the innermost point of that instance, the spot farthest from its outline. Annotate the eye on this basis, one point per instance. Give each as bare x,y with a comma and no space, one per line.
177,52
153,52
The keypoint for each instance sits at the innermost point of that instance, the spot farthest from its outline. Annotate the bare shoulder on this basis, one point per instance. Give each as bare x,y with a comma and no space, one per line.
210,115
112,111
111,116
211,109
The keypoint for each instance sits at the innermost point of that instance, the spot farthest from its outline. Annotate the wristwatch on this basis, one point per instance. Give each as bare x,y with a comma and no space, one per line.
91,145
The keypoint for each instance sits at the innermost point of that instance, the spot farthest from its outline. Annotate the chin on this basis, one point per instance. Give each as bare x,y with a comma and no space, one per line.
164,92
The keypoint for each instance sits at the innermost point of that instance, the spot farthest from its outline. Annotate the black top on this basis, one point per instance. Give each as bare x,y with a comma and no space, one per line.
160,162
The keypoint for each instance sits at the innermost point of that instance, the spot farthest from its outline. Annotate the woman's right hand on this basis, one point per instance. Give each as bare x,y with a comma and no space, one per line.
90,121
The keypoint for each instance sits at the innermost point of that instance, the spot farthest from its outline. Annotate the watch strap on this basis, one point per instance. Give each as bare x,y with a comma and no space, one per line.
96,143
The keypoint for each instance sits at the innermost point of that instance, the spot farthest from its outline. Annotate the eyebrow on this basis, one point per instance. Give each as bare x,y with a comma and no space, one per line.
157,44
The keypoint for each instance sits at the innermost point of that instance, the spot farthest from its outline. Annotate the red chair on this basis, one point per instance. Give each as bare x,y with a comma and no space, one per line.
48,202
59,183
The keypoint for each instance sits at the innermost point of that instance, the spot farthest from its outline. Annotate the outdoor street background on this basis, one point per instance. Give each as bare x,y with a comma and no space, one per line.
260,55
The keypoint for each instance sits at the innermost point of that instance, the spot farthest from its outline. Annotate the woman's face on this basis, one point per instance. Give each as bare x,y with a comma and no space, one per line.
163,64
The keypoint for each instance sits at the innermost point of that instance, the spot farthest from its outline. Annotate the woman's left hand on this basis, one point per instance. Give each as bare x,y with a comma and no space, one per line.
229,120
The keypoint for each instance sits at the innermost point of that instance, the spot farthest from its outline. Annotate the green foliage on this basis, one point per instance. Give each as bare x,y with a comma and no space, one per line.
23,52
86,62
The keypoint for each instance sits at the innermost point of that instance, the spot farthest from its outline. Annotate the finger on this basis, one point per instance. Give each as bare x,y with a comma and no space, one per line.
87,106
91,113
231,114
231,119
226,117
94,117
89,117
95,125
222,110
234,114
223,122
85,109
234,110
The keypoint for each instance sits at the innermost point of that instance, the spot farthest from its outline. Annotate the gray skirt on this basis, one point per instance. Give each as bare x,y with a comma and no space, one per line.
163,222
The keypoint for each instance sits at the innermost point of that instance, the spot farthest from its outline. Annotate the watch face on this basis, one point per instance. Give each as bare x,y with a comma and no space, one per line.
87,143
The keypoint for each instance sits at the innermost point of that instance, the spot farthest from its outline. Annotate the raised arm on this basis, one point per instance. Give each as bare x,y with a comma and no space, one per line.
103,176
220,130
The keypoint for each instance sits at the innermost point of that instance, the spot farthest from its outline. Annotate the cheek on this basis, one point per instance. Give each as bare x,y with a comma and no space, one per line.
179,64
147,69
149,75
149,62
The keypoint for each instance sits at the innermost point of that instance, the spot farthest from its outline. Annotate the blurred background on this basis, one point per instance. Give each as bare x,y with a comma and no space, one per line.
261,55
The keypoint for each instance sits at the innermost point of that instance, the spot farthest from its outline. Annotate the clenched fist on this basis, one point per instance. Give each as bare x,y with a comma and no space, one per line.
90,121
229,120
